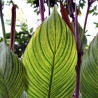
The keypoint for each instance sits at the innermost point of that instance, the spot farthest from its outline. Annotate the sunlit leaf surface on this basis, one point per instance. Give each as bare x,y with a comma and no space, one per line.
50,59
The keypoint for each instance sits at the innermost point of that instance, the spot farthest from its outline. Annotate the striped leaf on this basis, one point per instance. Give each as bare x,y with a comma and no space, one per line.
89,72
11,69
50,59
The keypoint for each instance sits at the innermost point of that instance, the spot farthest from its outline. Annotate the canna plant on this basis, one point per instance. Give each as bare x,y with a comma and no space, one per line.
52,60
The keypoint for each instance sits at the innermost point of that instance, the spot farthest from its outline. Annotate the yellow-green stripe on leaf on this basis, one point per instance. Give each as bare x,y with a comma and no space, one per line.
11,72
89,71
50,59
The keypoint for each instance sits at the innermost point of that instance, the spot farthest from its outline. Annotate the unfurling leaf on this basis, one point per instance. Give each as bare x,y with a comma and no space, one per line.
65,17
50,60
11,72
89,71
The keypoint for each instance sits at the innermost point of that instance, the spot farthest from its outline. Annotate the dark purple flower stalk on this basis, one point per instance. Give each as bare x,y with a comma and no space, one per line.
76,28
70,9
13,22
78,75
79,49
88,8
41,6
79,55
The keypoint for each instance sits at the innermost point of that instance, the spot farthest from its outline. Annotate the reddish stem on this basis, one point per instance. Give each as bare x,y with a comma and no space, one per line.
41,5
79,55
86,18
76,29
79,47
89,4
85,22
78,75
13,22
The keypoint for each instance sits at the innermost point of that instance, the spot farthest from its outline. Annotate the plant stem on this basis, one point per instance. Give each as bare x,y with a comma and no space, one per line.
78,75
2,22
41,5
76,29
13,22
85,22
79,46
48,7
79,55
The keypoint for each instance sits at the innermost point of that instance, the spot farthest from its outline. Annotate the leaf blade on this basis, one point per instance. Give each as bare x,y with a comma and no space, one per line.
89,71
10,73
44,59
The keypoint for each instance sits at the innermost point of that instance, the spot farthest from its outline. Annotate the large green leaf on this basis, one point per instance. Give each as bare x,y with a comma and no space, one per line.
89,71
50,59
11,70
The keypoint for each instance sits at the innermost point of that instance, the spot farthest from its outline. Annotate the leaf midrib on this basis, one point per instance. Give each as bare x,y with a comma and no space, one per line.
51,77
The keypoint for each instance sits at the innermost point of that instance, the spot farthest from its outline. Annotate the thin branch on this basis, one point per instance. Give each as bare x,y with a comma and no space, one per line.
13,22
41,5
2,22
